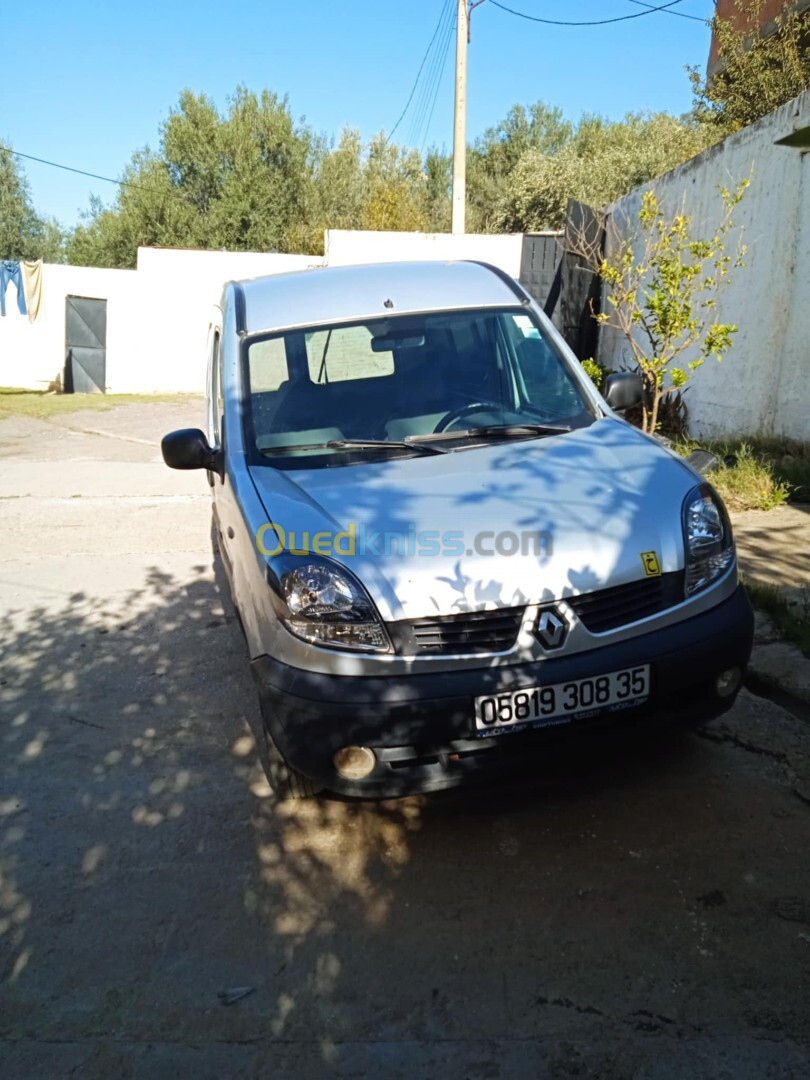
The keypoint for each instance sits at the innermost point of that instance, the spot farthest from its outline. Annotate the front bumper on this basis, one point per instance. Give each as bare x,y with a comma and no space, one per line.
421,726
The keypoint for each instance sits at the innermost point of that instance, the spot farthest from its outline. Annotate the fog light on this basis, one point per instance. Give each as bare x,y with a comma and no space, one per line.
354,762
728,682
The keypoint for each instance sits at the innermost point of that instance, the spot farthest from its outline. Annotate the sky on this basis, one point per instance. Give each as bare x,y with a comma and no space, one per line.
88,82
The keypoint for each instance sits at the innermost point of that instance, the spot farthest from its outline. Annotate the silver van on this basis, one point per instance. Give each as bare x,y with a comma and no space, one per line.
447,550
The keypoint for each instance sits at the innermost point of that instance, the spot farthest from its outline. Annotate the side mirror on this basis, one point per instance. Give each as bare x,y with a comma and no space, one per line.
623,390
189,449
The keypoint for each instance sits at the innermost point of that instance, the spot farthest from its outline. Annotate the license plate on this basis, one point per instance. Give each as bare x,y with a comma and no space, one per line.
559,703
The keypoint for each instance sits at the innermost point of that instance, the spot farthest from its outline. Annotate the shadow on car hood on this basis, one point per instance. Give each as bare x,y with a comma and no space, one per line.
511,523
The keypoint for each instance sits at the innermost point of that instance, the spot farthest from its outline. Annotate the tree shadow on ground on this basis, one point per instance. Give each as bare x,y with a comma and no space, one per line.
557,926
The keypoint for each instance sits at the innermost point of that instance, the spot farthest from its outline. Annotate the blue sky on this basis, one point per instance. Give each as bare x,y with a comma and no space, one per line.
89,81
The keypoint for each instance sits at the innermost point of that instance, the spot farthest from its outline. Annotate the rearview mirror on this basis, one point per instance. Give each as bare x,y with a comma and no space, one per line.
392,341
623,390
189,449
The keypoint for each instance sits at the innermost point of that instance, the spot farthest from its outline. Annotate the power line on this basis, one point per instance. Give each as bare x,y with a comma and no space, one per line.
591,22
419,107
680,14
67,168
418,74
438,84
424,113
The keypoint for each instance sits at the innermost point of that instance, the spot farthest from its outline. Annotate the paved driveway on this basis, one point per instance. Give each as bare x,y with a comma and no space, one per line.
643,915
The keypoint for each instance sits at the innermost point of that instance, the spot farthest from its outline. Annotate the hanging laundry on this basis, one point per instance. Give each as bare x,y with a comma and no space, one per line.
32,286
10,272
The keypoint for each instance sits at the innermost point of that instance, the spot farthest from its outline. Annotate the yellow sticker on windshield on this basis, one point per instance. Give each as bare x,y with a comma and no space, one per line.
652,567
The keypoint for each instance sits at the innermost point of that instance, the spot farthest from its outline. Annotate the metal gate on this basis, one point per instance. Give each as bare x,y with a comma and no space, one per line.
85,345
558,270
540,266
584,243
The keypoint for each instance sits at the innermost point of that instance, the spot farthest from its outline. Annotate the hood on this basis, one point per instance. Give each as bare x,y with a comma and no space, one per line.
513,523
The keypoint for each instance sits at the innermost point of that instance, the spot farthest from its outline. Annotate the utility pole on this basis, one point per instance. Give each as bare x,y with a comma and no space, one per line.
460,121
459,201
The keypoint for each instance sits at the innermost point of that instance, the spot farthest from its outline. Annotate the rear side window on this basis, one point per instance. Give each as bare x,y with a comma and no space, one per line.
268,365
345,353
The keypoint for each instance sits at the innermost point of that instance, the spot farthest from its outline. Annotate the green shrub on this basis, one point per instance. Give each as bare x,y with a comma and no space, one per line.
750,483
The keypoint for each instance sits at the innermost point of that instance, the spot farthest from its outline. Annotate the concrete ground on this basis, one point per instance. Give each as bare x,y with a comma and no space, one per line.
774,546
642,915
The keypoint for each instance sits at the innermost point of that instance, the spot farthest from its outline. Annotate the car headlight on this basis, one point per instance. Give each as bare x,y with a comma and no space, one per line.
323,603
707,537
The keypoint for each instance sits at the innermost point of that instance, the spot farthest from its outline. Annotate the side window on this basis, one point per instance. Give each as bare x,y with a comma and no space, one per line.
344,354
268,365
548,385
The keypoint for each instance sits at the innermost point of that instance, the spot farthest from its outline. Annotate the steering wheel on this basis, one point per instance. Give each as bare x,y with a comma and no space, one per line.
465,410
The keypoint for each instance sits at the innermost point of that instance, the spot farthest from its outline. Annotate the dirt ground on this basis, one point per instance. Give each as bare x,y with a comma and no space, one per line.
642,915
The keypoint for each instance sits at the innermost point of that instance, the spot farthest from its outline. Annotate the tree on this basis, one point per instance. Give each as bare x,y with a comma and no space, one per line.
243,181
438,186
662,286
23,233
252,179
492,159
395,188
600,162
758,73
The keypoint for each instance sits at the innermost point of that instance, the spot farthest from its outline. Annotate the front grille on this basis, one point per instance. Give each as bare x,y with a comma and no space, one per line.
608,609
464,635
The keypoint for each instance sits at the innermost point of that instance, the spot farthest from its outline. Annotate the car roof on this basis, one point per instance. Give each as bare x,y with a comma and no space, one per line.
343,293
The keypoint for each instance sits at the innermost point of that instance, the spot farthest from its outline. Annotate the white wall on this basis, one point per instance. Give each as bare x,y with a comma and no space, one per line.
346,247
177,289
761,387
32,355
157,315
157,318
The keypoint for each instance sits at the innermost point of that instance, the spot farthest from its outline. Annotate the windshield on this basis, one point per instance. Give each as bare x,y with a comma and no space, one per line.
387,384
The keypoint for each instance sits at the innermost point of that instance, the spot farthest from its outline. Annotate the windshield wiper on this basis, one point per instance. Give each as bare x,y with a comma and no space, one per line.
489,431
354,444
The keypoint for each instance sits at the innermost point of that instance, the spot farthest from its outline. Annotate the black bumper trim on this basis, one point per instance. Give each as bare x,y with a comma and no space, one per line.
423,717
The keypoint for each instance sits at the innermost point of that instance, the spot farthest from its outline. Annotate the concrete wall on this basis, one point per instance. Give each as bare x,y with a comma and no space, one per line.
763,385
346,247
158,314
178,289
32,355
157,318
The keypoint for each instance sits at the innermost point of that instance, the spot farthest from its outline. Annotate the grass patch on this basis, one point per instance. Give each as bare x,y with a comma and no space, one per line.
753,482
41,405
767,599
791,464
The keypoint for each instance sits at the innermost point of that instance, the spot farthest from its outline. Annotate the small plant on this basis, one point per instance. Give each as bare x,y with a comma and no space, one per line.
595,372
747,480
661,295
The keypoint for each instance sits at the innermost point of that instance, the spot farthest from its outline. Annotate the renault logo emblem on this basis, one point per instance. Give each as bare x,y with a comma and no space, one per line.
551,629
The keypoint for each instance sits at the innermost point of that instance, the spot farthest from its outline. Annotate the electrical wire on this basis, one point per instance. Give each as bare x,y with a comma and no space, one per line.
433,82
442,69
590,22
67,168
421,103
418,74
680,14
